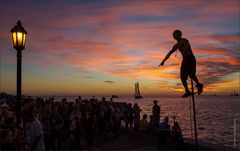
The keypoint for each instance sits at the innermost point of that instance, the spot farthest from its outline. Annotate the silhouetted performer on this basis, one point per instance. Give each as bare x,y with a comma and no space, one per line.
188,67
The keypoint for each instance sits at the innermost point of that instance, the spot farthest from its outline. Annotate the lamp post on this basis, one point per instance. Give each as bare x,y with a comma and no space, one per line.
19,40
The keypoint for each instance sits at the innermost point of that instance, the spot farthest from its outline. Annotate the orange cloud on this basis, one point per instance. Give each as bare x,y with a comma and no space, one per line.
128,39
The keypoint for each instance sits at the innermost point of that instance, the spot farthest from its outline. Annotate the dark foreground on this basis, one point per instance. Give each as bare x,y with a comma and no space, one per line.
88,125
138,141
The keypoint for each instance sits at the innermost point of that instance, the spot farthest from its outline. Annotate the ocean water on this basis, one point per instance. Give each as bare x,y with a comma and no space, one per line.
218,117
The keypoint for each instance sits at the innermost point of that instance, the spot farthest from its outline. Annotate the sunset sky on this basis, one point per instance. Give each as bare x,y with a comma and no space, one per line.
103,47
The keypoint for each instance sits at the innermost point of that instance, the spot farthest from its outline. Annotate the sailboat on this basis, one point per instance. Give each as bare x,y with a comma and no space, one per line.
235,93
137,92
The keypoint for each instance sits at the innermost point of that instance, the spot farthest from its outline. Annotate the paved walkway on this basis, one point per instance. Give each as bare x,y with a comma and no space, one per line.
135,141
128,141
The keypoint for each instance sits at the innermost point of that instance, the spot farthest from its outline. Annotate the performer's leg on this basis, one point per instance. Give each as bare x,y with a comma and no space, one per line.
195,79
192,74
185,85
199,85
184,72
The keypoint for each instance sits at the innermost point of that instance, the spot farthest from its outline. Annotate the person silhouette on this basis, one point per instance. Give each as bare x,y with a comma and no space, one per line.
188,66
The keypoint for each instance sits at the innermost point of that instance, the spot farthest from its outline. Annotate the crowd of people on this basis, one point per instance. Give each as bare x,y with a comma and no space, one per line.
47,123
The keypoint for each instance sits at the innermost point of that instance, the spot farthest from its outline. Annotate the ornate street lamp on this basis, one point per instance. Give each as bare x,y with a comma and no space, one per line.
19,40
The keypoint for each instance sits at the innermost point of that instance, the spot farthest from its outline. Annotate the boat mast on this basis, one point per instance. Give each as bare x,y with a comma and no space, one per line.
138,89
137,92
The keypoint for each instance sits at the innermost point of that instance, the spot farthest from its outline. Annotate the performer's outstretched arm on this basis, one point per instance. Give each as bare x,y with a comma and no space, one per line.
168,55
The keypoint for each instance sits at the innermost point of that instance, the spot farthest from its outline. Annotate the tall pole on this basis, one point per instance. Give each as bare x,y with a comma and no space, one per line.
19,86
19,40
194,117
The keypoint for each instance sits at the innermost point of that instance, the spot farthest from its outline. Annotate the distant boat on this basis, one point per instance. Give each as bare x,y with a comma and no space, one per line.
137,93
234,94
114,96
